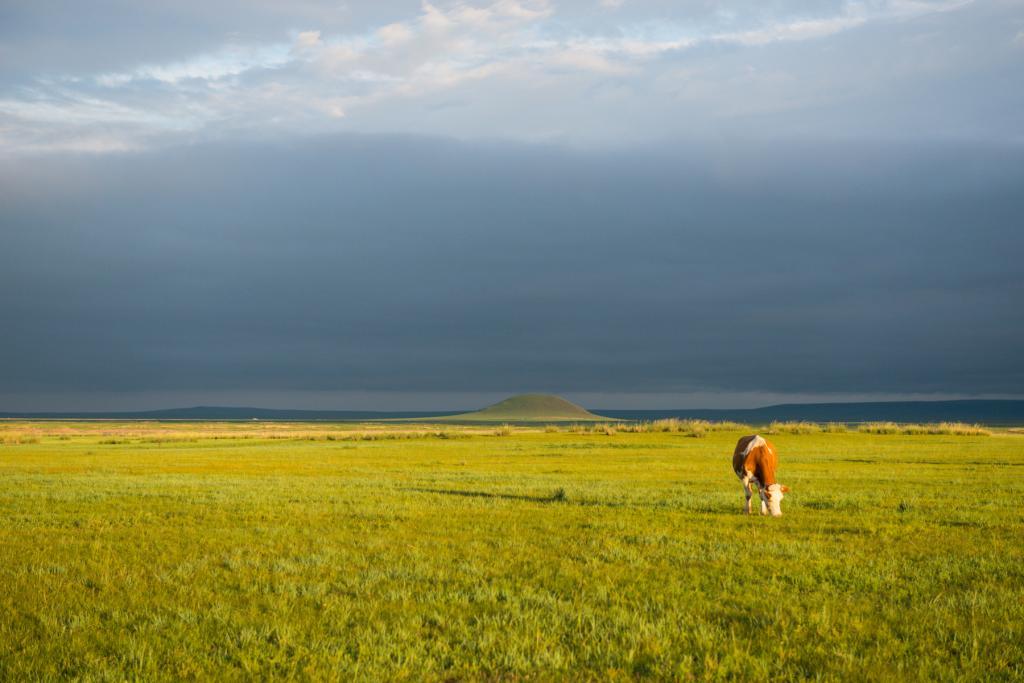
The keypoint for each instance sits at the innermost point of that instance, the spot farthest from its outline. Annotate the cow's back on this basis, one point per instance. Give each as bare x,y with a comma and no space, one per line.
756,455
739,456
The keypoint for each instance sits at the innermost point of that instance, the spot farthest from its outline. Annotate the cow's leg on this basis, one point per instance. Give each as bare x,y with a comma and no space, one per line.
764,501
745,479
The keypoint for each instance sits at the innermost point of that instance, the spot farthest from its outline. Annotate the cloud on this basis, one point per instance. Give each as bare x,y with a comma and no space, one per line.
307,39
231,60
394,34
794,30
528,70
586,59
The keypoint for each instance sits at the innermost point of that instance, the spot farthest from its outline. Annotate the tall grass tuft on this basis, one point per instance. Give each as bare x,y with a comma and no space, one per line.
696,428
879,428
961,429
911,429
670,424
728,426
797,427
633,427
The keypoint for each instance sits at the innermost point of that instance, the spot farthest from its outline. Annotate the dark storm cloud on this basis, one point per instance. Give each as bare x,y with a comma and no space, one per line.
422,265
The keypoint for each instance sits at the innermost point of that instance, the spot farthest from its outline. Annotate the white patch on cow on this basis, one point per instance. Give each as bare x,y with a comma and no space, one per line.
756,442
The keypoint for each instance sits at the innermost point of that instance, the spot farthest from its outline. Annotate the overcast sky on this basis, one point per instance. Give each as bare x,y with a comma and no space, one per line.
406,205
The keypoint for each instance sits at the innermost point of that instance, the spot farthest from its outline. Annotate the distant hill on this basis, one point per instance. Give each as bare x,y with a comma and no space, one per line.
547,408
529,408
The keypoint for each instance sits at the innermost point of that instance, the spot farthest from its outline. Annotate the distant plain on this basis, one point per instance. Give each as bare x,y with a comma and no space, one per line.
158,551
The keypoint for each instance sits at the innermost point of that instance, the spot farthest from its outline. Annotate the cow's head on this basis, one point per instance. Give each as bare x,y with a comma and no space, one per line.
773,495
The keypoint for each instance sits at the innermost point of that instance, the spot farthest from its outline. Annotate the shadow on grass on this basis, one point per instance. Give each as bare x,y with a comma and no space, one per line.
553,498
961,523
954,463
827,504
560,497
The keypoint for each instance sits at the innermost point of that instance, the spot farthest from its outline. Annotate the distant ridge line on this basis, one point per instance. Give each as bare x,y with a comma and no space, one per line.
987,411
228,413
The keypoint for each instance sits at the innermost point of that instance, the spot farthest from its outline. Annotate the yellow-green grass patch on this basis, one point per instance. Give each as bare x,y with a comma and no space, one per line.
241,551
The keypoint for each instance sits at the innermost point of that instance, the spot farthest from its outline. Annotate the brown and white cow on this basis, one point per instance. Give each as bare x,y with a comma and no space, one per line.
754,462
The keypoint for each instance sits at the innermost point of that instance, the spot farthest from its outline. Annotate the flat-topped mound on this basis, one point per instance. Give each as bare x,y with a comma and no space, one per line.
530,408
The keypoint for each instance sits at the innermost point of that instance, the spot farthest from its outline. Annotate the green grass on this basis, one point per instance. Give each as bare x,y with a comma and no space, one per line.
274,552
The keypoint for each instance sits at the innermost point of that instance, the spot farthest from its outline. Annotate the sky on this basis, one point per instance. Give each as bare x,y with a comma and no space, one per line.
417,206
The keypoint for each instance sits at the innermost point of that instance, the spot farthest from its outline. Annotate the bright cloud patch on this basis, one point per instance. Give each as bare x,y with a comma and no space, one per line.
511,68
231,61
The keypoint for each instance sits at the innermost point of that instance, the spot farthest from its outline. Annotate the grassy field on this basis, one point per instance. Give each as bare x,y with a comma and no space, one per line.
270,551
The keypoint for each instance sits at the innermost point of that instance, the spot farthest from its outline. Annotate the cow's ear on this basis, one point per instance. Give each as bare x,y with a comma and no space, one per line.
785,489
